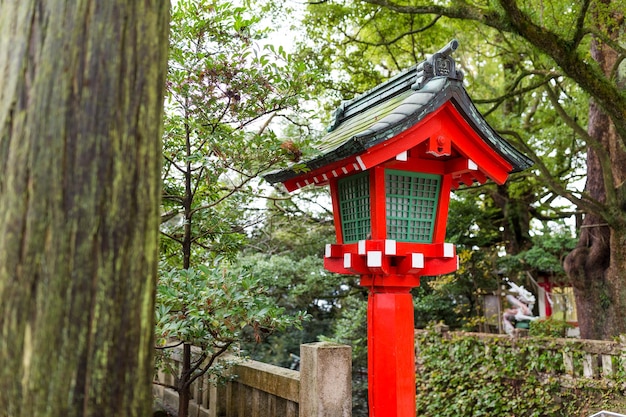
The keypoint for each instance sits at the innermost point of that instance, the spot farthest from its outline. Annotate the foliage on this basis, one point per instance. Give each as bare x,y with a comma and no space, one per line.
295,226
341,33
210,306
545,256
549,327
228,93
433,302
294,285
474,220
287,249
467,376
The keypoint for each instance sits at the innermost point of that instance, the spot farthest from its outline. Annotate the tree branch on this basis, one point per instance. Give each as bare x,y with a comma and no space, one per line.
397,38
214,356
601,151
168,216
168,346
560,50
584,202
514,93
163,384
171,161
579,33
460,10
175,239
564,53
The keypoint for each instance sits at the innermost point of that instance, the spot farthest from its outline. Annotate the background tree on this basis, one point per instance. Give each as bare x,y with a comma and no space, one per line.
287,250
227,92
81,101
535,68
209,308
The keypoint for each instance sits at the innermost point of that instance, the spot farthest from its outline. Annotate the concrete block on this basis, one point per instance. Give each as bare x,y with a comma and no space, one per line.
325,380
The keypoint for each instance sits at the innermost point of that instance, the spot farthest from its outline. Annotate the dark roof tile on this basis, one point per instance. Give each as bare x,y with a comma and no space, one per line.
394,106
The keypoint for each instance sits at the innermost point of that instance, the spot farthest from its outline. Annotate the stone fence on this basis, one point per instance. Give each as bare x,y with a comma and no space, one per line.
594,362
321,388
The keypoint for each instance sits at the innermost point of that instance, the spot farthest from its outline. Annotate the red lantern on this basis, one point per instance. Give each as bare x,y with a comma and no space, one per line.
391,159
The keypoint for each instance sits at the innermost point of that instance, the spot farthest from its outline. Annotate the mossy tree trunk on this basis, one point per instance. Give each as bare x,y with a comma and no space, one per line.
597,266
81,100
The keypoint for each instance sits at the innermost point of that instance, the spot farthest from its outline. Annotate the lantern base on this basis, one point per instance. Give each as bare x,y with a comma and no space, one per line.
388,257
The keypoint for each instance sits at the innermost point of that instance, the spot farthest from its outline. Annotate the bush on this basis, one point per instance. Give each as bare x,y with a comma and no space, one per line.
549,328
468,376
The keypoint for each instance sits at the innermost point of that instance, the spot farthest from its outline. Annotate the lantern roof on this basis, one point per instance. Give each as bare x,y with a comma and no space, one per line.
397,108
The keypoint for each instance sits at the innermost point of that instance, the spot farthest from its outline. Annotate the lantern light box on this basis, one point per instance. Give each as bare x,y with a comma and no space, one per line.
391,158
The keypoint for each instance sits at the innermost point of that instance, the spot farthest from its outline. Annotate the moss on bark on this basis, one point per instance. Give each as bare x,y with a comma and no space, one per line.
80,120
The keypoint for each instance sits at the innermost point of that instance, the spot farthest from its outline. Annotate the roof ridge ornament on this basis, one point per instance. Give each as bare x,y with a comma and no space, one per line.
439,64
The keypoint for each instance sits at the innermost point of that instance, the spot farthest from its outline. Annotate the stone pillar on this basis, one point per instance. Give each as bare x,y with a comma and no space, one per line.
325,380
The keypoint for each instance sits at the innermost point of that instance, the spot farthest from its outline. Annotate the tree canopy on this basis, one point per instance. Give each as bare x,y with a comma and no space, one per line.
549,78
227,92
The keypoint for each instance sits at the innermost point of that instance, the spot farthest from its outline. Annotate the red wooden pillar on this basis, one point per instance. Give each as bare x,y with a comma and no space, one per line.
391,352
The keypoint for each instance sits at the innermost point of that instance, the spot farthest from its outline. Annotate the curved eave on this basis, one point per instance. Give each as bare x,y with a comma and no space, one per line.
395,116
462,102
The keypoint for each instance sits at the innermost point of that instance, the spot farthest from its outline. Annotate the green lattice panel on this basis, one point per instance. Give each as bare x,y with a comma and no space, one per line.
354,203
411,205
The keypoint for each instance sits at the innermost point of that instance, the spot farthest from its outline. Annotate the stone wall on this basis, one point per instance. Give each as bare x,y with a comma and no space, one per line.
322,387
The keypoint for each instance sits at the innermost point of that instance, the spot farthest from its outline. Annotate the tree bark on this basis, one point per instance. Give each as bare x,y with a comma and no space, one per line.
587,264
184,393
515,220
597,266
81,101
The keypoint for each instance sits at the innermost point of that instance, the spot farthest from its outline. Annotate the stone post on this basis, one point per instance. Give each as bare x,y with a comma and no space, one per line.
325,380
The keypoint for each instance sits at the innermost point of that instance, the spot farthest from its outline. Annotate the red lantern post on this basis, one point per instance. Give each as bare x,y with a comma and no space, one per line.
391,159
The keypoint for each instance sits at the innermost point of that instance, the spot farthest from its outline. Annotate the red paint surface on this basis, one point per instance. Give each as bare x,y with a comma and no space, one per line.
391,356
